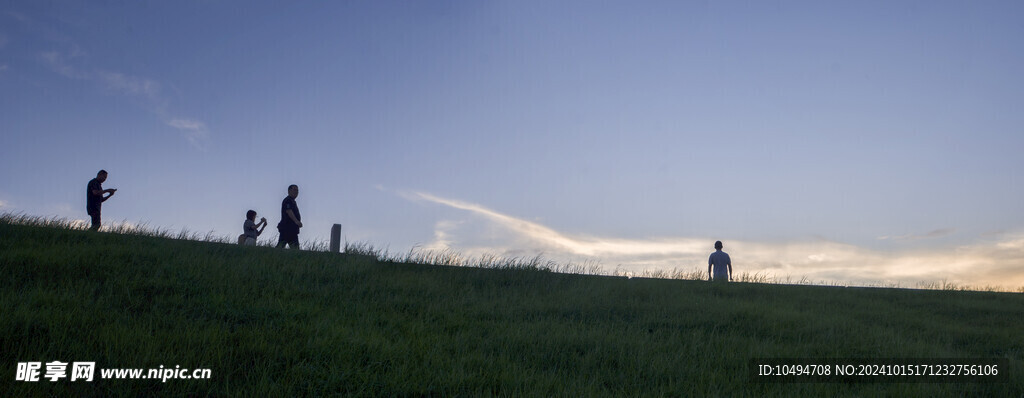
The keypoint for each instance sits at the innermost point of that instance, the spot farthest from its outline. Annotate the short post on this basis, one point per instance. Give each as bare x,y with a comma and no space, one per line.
336,238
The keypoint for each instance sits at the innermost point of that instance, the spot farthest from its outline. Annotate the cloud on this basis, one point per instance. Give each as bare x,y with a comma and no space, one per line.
186,124
69,60
3,204
131,85
442,236
58,63
194,131
149,90
938,233
1014,244
577,245
19,16
997,261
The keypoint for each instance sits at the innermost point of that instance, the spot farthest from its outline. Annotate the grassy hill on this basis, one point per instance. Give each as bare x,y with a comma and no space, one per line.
272,322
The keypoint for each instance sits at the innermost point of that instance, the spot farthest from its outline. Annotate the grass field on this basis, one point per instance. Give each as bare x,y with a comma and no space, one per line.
272,322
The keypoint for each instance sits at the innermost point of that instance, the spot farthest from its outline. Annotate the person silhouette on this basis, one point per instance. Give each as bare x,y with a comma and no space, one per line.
291,220
251,229
94,198
721,263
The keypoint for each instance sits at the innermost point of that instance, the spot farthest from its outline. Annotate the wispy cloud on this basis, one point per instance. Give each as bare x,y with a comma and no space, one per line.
577,245
130,85
195,131
442,236
186,124
19,16
57,62
150,91
996,262
938,233
72,61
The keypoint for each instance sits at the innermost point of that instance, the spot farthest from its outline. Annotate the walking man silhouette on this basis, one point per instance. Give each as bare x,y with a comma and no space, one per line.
291,220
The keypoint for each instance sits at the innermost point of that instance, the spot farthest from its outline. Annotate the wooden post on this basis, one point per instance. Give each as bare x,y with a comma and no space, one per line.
336,238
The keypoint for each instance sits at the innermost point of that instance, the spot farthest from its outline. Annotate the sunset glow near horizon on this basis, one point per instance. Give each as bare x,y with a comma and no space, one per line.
873,143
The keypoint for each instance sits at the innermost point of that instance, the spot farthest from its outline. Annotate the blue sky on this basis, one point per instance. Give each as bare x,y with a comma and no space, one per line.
865,142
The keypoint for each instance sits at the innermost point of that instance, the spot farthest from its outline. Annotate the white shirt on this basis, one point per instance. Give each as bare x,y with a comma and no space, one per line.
721,262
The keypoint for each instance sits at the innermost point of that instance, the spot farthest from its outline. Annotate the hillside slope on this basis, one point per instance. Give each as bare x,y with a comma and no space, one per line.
272,322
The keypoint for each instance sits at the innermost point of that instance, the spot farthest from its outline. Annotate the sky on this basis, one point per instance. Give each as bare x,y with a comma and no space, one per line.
873,142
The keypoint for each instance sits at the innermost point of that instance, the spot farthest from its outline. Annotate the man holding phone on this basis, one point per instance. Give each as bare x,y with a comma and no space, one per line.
94,198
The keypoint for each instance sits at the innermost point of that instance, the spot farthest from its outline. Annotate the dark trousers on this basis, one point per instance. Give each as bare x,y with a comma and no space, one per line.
95,220
290,238
294,244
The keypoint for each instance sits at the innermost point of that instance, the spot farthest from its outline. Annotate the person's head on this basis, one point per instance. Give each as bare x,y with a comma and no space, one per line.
718,245
251,215
293,191
102,175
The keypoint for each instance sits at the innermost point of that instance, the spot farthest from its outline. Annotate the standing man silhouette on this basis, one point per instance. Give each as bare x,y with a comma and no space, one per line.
94,198
291,220
721,263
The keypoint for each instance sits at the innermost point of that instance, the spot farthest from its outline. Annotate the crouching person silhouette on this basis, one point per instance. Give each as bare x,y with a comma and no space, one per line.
251,229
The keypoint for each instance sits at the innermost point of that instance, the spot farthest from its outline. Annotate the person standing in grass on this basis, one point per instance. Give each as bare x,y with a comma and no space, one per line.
291,220
251,229
94,198
721,263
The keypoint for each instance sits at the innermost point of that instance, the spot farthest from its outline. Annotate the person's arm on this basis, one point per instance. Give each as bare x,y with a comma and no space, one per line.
97,189
709,268
109,192
263,226
729,261
291,215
